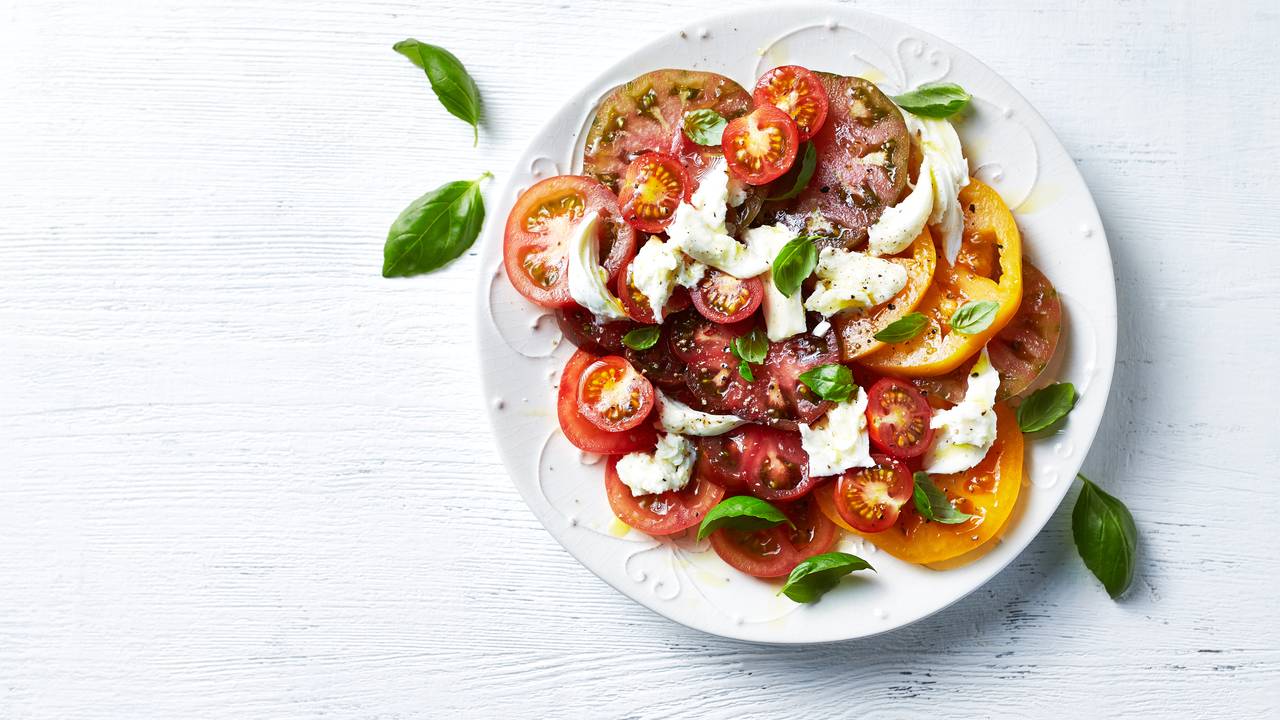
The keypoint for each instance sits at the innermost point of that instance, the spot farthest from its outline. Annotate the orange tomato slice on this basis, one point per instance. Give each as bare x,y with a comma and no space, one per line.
857,330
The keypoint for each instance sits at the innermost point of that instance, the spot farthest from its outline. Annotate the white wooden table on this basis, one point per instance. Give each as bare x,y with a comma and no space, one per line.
243,476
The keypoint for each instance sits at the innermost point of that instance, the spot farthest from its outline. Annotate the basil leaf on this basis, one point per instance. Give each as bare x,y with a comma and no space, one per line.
934,100
449,80
434,229
814,577
933,503
743,512
800,174
744,369
1105,536
903,329
974,316
1046,406
642,338
830,382
705,127
751,347
794,262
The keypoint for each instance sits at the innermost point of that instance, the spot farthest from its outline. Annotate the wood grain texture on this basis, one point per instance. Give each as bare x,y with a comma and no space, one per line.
242,476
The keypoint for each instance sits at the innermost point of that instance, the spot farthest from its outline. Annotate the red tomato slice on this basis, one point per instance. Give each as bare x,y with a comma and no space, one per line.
761,145
869,499
814,534
652,189
776,467
797,92
585,332
582,432
721,459
613,396
664,513
898,418
725,299
789,359
659,365
636,303
775,551
543,220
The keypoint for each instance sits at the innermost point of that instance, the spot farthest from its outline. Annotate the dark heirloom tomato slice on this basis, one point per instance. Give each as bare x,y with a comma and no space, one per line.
869,499
721,458
863,149
797,92
636,303
580,326
613,396
761,145
785,363
658,364
652,189
898,418
723,298
664,513
580,431
776,467
542,222
814,534
775,551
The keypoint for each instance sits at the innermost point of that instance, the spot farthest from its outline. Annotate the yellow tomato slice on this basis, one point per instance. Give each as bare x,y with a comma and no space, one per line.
988,267
857,330
988,491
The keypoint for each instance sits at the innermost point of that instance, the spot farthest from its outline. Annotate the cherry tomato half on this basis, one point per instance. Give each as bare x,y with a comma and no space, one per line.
797,92
898,418
664,513
725,299
584,434
613,396
869,499
761,145
652,189
636,303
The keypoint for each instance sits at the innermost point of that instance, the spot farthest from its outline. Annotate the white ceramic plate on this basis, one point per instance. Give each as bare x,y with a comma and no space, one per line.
1008,145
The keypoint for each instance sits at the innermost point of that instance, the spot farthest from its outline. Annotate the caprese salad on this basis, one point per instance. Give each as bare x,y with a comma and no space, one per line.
795,311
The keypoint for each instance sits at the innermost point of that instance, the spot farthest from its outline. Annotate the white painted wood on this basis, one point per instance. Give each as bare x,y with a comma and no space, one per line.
243,476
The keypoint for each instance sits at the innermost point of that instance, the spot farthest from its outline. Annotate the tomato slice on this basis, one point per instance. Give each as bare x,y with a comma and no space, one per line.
797,92
544,219
721,459
776,467
613,396
857,328
898,418
664,513
659,365
1022,350
585,332
785,363
652,188
814,534
761,145
869,499
584,434
775,552
725,299
636,303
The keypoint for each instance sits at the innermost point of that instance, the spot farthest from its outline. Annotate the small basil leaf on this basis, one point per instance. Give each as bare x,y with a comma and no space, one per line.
933,503
814,577
434,229
934,100
1046,406
1105,536
800,175
642,338
974,316
449,80
743,512
751,347
704,127
744,369
794,262
903,329
830,382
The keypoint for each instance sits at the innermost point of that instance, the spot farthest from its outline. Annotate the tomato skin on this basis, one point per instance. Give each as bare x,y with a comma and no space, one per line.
580,431
776,467
636,304
775,552
761,146
664,513
613,395
869,499
725,299
898,418
796,91
652,188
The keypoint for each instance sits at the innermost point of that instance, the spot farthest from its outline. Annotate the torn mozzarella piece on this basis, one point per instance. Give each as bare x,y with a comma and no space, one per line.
838,441
698,228
851,280
967,431
901,224
949,172
667,468
658,268
783,316
588,282
676,417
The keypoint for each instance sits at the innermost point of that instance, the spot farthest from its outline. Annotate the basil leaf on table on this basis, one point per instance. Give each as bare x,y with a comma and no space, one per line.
812,578
934,100
642,338
434,229
449,80
933,504
749,348
830,382
1046,406
705,127
793,263
743,512
974,316
1105,537
903,329
804,173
